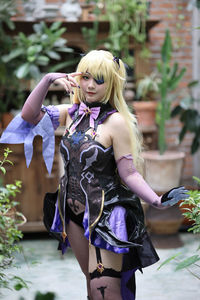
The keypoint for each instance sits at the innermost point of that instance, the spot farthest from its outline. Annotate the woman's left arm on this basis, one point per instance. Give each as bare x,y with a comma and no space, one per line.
128,173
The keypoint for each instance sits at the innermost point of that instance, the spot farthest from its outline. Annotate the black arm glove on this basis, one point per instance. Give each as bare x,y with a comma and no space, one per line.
174,196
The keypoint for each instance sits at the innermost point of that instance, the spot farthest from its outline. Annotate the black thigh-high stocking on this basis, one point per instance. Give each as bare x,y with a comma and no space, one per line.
105,273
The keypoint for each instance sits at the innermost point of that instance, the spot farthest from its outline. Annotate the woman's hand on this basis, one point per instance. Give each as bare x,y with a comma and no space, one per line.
174,196
69,81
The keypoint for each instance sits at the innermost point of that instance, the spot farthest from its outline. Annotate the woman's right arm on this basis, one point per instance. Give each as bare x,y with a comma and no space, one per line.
31,111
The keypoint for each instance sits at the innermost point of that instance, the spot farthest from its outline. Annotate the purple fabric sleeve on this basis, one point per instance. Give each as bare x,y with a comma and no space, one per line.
107,115
31,111
72,110
21,132
135,181
53,113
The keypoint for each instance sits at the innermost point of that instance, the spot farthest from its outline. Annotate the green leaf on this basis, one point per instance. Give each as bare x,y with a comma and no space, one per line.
9,161
10,24
193,83
176,111
34,71
55,26
166,48
174,83
18,286
13,54
182,133
3,170
31,59
188,262
32,50
22,71
168,260
197,180
195,144
53,55
47,296
42,60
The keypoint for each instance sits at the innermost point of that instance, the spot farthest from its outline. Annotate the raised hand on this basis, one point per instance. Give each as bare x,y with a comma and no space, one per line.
174,196
68,81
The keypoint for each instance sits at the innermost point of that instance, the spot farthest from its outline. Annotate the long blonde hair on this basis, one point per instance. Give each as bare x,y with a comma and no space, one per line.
101,63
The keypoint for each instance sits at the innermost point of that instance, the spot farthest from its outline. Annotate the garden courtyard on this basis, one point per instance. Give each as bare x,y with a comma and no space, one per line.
46,270
162,60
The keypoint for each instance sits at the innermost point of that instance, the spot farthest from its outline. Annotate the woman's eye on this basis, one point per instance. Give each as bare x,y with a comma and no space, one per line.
85,77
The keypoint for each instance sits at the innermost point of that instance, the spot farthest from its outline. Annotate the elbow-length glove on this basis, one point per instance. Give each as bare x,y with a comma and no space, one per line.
31,111
138,185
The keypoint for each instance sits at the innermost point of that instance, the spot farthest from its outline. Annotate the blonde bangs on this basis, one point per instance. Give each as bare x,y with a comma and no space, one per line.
96,65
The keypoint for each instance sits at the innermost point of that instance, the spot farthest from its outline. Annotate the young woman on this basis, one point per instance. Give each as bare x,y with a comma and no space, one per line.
98,211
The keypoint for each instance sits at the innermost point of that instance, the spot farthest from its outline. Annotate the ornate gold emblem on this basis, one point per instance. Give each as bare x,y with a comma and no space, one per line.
100,268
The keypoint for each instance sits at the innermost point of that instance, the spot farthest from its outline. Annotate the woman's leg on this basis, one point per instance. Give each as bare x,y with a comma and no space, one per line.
79,245
105,273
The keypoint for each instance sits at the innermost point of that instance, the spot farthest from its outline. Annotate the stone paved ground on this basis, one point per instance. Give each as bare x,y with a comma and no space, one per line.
47,271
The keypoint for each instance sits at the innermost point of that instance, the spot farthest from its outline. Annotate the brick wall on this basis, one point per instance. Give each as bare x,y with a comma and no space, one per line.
174,16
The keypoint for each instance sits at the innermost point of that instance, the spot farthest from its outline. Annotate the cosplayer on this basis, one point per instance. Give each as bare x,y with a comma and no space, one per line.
97,210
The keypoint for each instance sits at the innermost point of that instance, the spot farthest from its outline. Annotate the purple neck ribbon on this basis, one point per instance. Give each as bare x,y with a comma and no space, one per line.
84,110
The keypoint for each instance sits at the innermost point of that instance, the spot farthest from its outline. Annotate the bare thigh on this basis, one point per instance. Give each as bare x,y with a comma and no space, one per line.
110,259
79,245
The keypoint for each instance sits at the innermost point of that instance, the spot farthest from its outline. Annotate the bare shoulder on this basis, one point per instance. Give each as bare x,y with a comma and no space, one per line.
117,122
117,119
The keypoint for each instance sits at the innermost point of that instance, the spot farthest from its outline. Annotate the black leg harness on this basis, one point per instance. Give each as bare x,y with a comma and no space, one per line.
101,270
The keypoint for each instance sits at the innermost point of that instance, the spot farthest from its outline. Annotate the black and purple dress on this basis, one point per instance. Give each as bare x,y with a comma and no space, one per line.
113,217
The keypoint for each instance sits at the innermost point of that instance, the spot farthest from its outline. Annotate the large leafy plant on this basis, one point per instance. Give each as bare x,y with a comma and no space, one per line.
189,116
170,76
9,232
39,52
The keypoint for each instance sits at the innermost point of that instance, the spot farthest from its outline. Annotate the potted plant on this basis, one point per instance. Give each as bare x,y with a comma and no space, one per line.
23,60
38,52
145,104
163,168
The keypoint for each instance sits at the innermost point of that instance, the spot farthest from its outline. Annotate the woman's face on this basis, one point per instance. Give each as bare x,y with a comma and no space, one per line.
93,89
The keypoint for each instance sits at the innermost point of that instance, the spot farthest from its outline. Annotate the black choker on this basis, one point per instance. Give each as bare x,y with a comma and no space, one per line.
103,106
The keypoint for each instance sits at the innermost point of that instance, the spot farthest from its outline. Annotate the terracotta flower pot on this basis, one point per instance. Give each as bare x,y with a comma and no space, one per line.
163,172
145,112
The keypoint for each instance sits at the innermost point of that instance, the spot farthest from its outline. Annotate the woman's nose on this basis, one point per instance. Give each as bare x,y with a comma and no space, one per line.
91,83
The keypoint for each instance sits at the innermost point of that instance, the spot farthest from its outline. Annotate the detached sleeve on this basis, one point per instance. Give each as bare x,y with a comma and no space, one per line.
20,131
135,181
53,113
31,111
139,186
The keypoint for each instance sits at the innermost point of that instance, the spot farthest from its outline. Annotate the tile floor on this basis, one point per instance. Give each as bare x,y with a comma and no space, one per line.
48,271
